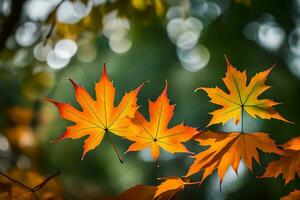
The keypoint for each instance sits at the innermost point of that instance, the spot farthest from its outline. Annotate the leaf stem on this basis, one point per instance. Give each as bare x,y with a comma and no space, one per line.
242,119
50,32
115,148
39,186
193,183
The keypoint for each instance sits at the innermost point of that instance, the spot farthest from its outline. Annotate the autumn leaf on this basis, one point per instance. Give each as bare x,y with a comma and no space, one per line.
138,192
288,165
295,195
12,189
241,97
293,144
169,189
20,133
20,115
97,117
227,149
155,132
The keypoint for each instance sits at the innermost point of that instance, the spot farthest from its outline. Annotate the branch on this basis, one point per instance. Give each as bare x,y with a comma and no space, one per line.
10,23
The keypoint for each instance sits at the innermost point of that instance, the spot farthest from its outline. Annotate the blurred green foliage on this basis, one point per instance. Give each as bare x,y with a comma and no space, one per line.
153,57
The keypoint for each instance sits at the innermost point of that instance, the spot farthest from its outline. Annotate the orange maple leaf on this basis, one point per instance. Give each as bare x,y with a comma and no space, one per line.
227,149
295,195
167,190
155,132
288,165
170,188
241,97
138,192
99,116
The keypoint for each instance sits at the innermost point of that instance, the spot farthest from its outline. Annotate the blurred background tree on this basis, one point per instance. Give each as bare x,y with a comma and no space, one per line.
44,42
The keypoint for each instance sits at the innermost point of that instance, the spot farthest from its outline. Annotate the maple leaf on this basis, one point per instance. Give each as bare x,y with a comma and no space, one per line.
155,132
12,189
288,165
138,192
169,189
293,144
99,116
295,195
227,149
241,97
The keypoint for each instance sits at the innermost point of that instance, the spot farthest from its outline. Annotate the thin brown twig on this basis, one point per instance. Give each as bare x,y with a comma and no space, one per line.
36,188
50,32
15,181
39,186
115,148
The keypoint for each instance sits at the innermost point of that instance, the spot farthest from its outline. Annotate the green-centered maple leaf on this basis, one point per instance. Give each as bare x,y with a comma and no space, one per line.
241,97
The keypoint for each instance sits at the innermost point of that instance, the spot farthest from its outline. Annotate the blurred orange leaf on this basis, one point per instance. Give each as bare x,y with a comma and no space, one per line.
155,132
20,133
21,137
20,115
100,116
